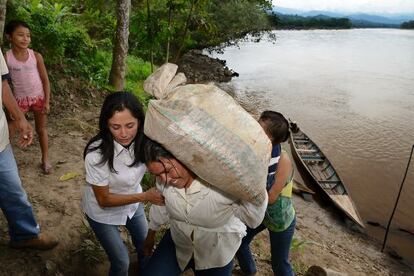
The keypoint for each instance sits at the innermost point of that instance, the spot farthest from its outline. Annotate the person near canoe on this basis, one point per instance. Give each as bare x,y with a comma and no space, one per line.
280,217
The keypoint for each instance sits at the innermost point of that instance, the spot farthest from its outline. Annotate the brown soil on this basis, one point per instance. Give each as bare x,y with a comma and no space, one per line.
320,238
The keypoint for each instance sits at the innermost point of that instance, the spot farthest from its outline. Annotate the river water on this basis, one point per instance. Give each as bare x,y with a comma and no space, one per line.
352,92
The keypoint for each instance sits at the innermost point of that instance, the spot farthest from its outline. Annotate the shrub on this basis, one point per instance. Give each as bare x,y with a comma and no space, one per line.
55,33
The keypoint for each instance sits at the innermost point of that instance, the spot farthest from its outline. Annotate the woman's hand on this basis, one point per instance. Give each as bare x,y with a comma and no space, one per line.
149,243
154,196
107,199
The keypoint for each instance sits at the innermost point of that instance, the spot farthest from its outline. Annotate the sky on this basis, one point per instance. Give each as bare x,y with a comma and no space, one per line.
364,6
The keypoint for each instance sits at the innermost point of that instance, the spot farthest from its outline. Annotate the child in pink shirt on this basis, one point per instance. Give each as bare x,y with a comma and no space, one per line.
31,86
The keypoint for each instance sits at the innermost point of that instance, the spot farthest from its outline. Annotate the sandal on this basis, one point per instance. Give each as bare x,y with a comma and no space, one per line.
46,168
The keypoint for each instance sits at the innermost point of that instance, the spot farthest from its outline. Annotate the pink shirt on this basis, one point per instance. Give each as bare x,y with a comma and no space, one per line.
27,85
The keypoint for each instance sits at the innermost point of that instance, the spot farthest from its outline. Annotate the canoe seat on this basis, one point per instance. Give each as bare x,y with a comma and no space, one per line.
332,175
330,181
301,141
312,158
308,150
327,166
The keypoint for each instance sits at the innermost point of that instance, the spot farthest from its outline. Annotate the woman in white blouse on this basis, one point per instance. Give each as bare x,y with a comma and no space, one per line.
206,225
114,170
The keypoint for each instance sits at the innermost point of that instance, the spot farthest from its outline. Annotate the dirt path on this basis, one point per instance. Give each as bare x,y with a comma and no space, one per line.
320,239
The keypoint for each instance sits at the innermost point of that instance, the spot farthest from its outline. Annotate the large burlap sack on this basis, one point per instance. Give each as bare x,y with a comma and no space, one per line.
163,80
204,128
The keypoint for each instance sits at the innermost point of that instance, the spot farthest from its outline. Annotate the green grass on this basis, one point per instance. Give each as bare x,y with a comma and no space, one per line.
137,70
90,249
296,248
299,268
297,245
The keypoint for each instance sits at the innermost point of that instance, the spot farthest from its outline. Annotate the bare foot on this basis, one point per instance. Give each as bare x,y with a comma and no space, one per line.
46,168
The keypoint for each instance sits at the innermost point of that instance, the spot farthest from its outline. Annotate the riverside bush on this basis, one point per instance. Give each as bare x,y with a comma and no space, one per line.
137,71
54,31
63,40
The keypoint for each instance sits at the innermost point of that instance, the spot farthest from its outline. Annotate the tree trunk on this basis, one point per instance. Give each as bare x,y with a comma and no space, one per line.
170,7
187,24
120,50
3,4
150,35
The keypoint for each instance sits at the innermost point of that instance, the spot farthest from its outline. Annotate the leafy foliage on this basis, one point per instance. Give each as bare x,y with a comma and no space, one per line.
229,26
75,36
54,33
408,25
312,22
137,71
64,39
190,24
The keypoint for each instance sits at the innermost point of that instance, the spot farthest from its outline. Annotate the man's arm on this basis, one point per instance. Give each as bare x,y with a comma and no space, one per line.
24,128
283,172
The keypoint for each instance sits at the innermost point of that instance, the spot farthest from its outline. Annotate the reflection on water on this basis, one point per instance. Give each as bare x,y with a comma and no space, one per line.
352,91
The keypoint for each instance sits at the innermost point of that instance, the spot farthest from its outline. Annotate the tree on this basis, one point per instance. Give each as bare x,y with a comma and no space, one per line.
3,4
170,6
177,26
120,49
408,25
193,4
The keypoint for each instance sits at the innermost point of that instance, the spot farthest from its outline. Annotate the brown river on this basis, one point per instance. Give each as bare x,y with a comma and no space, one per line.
352,92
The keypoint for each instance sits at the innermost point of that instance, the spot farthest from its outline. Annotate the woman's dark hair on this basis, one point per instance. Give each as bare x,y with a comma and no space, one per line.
13,25
117,102
276,126
153,151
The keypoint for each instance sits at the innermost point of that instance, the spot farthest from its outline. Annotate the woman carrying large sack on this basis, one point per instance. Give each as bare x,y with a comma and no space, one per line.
280,219
206,224
210,158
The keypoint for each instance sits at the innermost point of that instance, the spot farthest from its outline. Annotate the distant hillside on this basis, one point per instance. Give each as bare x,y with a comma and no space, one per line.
374,19
284,21
358,20
408,25
359,23
318,12
283,10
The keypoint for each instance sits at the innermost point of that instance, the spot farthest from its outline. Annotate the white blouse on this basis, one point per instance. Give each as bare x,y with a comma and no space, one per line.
126,181
205,223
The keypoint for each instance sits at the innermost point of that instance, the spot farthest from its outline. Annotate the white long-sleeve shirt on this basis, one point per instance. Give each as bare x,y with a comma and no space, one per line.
205,223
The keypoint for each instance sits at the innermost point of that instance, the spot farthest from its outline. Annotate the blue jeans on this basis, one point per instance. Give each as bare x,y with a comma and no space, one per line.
13,200
164,262
279,246
110,239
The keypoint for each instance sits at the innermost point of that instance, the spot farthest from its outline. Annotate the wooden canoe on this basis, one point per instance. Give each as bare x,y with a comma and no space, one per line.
320,169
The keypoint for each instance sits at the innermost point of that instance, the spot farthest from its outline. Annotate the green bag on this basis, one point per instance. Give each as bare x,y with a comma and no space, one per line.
280,214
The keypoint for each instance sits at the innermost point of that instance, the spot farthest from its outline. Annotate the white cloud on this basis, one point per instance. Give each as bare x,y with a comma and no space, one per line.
372,6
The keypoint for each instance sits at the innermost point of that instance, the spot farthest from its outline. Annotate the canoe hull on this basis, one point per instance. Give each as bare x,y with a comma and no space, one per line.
320,170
